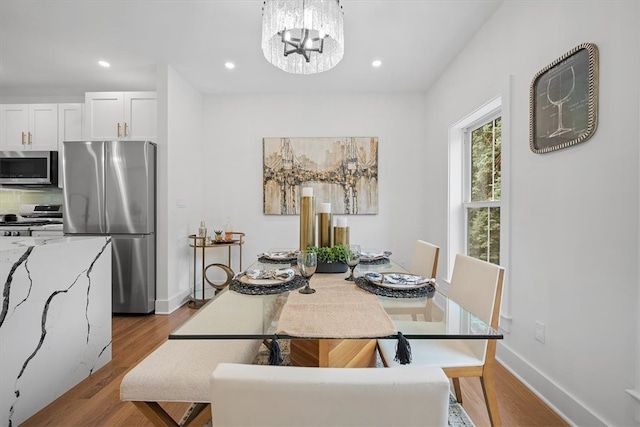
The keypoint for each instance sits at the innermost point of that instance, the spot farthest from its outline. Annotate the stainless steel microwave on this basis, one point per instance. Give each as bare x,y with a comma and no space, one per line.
31,168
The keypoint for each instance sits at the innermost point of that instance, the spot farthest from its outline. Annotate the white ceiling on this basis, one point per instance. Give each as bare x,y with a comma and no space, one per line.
51,47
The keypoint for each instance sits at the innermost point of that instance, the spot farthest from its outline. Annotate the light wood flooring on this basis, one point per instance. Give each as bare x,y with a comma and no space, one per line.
96,400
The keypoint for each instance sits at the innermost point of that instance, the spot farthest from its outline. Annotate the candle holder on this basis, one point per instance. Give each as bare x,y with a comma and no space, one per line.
307,222
324,229
341,236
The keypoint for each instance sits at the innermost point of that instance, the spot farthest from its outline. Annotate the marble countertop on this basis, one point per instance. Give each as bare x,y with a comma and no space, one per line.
12,243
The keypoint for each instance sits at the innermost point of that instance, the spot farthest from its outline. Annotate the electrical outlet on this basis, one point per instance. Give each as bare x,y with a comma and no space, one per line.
540,331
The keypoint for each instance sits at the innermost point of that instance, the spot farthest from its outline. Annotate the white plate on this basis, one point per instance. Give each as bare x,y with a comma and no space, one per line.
397,280
280,256
268,282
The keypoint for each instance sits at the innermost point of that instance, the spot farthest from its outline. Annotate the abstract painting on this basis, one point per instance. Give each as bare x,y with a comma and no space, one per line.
342,171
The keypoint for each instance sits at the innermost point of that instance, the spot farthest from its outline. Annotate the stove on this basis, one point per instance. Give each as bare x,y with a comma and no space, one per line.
33,218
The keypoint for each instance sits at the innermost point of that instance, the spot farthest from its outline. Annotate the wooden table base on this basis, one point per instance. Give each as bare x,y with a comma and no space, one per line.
334,353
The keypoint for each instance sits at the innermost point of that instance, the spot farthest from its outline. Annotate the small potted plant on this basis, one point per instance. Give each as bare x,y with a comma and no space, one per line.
218,234
331,260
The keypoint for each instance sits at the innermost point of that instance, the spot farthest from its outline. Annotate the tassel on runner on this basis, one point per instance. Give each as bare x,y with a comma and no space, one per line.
275,358
403,350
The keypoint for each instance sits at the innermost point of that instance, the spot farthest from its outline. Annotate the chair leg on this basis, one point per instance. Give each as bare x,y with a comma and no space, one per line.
490,397
457,389
428,311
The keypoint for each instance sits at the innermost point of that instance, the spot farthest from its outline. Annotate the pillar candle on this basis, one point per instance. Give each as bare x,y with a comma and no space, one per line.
307,191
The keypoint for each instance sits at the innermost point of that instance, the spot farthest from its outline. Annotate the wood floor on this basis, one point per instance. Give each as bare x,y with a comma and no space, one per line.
96,400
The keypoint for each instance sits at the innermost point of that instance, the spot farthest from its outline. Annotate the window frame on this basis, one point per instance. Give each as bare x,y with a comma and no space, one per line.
467,203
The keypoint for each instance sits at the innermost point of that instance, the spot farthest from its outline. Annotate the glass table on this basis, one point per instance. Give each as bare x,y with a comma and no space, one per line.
233,315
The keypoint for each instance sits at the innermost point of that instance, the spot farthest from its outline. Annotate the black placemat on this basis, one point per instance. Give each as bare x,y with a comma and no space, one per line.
266,260
425,291
378,261
248,289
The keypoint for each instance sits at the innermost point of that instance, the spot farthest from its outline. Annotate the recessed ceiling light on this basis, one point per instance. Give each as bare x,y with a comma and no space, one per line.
230,65
104,64
376,63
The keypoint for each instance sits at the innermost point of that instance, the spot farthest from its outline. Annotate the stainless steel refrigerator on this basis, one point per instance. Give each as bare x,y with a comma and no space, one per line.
109,189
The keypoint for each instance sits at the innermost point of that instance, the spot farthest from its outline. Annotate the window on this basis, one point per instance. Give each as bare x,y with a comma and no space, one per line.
482,175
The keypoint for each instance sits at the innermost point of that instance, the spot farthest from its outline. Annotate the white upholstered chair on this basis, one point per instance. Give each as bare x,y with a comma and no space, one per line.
477,286
424,262
263,395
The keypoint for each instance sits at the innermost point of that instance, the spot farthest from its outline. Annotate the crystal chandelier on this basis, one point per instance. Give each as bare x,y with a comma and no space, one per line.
303,36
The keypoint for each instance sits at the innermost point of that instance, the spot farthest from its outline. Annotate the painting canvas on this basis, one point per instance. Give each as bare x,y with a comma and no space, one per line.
342,171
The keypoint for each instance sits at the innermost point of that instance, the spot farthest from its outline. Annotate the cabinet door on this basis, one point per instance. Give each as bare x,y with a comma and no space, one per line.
43,127
141,115
70,119
14,127
104,118
70,122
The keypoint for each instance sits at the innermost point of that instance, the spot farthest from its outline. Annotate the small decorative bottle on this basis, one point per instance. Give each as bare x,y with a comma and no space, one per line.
202,230
228,231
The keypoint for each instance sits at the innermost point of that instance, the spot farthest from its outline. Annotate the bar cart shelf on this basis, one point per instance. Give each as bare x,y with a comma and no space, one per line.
200,242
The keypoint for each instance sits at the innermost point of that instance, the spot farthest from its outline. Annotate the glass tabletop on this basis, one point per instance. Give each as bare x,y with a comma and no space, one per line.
233,315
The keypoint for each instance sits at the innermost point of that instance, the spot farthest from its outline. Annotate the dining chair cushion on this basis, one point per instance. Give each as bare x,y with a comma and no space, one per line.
261,395
441,353
179,370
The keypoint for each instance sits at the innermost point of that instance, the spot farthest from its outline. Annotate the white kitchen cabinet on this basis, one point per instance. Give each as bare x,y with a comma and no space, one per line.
28,127
121,115
70,120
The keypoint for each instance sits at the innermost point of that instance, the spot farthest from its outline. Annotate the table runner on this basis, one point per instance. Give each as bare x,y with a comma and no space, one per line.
337,309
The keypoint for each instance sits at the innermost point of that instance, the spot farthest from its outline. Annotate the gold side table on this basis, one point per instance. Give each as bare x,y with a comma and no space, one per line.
199,242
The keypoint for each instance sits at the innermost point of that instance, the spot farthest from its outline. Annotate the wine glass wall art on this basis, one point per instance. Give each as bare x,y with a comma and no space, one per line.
564,101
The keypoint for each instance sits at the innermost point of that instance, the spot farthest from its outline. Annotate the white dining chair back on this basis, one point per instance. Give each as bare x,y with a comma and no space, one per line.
424,261
263,395
474,284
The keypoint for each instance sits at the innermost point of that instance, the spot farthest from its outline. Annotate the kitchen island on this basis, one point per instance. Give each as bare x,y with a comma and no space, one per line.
55,319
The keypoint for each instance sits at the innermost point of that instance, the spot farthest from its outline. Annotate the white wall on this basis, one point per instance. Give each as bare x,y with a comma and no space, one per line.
574,212
181,186
235,125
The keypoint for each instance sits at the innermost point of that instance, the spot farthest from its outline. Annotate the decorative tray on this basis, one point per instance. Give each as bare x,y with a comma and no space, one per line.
397,280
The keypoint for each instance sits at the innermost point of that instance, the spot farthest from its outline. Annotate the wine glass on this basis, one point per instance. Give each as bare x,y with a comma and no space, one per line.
307,263
353,258
559,90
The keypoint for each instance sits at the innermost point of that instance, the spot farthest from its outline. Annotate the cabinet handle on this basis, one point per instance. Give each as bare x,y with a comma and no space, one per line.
118,129
29,138
125,128
23,138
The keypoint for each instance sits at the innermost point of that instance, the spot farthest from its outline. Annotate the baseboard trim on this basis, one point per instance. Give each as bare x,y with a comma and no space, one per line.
559,400
171,305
